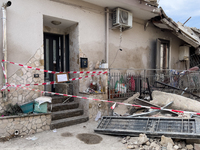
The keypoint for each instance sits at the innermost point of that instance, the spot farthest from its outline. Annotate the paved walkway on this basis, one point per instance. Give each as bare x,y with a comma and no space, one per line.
65,139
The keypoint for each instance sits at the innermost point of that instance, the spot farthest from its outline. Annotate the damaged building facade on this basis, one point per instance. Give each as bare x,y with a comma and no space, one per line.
57,35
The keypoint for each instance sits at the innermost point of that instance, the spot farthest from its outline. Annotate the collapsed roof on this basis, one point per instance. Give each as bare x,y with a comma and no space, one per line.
187,34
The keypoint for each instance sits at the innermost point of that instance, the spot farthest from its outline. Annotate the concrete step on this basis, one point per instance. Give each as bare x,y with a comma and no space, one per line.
66,114
60,99
65,106
68,121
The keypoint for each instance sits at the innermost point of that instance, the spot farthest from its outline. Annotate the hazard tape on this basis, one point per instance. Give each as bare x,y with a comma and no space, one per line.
53,72
107,101
52,82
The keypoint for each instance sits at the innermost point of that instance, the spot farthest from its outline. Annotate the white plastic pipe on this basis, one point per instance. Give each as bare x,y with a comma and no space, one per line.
107,35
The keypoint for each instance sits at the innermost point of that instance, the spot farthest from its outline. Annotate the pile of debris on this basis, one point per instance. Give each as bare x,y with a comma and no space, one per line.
165,143
161,100
166,116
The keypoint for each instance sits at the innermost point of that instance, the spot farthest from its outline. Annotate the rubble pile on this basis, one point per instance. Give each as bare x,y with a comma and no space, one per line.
164,143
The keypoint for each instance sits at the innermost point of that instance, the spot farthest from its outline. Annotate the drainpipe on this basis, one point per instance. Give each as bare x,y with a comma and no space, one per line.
107,34
4,6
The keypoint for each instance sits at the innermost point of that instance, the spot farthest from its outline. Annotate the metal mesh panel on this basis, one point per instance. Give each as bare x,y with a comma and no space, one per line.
177,128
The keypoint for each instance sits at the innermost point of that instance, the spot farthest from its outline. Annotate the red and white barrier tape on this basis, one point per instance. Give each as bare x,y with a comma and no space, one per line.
113,106
53,72
52,82
106,101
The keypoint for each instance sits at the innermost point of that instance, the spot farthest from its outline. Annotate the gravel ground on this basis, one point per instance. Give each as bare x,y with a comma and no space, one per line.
67,138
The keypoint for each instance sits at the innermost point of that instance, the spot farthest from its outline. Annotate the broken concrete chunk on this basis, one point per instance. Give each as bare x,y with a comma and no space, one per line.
179,102
176,147
189,147
148,143
142,139
132,146
124,141
154,146
123,109
197,146
133,140
169,146
166,140
128,138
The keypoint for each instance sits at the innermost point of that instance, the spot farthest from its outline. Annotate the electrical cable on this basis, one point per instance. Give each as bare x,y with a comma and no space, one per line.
120,49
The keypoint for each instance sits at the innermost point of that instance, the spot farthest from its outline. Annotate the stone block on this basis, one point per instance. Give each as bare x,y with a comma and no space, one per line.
44,123
24,129
20,97
3,125
18,126
9,124
43,119
10,120
166,140
48,116
32,131
23,133
47,127
34,126
25,123
189,147
19,72
30,119
38,121
29,126
39,130
43,128
48,122
5,121
39,126
142,139
17,119
23,70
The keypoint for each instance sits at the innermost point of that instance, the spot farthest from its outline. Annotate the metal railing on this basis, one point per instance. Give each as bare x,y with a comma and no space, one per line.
123,83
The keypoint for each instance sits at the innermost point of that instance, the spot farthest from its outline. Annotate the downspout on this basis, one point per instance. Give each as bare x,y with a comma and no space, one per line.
107,35
4,6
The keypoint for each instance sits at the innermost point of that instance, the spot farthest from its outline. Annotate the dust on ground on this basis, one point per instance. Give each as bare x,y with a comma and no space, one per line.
66,138
67,134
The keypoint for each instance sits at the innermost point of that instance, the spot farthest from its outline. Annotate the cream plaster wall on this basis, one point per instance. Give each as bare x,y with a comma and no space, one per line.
139,47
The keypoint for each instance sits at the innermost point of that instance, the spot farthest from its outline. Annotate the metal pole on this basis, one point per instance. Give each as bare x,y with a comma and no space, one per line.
4,50
4,6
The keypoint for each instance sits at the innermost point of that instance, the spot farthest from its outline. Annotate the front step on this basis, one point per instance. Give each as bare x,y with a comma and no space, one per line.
60,99
66,114
65,106
68,121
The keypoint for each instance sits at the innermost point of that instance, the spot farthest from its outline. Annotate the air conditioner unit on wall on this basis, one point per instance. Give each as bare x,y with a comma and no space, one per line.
122,18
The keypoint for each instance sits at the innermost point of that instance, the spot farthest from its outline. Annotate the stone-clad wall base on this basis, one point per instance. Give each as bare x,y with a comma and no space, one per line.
29,124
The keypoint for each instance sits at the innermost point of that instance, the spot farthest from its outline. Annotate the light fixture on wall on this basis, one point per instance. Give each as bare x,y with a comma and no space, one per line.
55,22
